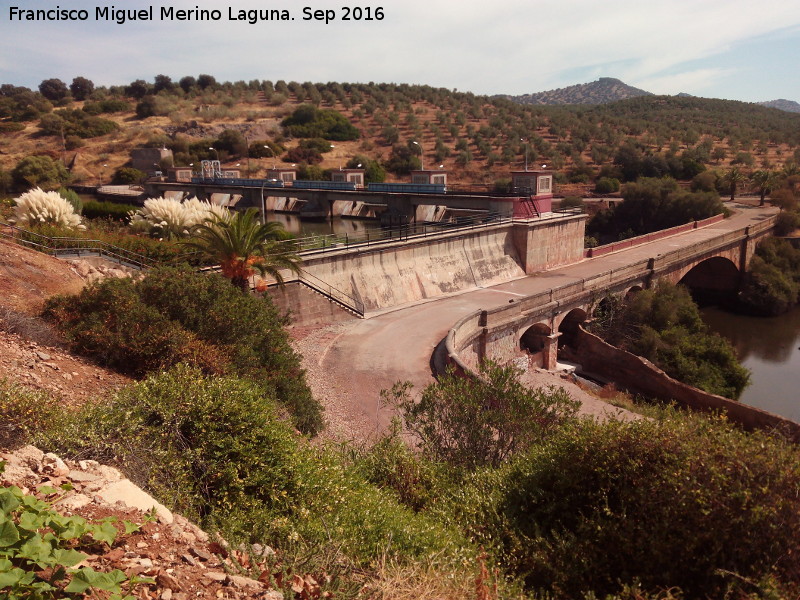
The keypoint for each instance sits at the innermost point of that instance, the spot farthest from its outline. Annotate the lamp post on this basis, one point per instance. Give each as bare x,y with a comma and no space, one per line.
526,152
421,156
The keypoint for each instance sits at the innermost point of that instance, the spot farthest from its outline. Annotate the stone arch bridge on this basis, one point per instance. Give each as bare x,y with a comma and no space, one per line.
536,322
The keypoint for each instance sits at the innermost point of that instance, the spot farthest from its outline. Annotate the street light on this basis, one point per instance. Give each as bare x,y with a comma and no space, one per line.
421,156
526,152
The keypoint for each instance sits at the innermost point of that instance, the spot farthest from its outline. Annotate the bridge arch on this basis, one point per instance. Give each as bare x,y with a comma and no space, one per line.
713,279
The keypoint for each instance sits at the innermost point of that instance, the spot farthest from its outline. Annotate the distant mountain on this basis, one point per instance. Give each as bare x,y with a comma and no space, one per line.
602,91
685,95
787,105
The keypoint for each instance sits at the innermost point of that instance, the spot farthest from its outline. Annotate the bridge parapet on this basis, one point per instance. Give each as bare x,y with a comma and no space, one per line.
479,335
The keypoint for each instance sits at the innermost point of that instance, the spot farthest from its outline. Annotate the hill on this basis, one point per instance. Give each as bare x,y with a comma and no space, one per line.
477,139
602,91
787,105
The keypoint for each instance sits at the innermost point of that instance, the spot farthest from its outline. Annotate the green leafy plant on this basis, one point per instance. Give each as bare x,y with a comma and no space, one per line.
39,550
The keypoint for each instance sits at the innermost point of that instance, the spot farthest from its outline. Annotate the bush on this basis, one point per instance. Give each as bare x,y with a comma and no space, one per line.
25,412
110,105
177,315
607,185
108,210
72,197
772,283
571,202
663,324
308,121
471,422
214,449
787,222
129,176
41,171
684,502
76,122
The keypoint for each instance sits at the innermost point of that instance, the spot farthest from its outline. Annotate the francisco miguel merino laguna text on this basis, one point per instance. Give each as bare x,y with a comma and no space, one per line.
165,13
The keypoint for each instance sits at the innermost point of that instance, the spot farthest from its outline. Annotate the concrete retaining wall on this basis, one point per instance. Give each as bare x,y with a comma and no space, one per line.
641,376
417,269
410,271
306,306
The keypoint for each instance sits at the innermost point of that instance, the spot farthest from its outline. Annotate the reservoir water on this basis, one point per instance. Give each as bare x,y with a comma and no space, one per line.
770,349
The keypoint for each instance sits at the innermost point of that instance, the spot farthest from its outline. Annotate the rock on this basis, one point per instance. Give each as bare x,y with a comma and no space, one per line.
272,595
189,559
81,477
166,594
131,495
73,502
216,576
166,580
30,456
263,551
53,465
244,583
201,554
43,356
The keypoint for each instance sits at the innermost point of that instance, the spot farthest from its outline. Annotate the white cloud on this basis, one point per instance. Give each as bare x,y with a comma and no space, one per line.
503,46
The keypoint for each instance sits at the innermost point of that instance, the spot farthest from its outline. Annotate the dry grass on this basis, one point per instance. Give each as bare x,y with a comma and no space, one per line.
428,582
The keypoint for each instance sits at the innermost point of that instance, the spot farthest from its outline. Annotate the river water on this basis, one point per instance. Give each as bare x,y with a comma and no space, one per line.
770,349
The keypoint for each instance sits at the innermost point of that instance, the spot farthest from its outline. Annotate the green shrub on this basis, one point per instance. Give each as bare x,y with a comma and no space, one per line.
110,105
215,449
685,502
11,127
607,185
177,315
108,210
75,122
787,222
24,412
471,422
772,283
308,121
72,197
663,324
128,175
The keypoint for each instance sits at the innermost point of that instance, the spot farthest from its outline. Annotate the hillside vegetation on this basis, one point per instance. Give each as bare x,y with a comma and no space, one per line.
478,139
602,91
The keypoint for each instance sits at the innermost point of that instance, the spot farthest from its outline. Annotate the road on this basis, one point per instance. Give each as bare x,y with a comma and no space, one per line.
371,354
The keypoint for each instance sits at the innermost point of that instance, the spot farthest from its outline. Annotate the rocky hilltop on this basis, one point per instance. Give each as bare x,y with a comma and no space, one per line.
781,104
602,91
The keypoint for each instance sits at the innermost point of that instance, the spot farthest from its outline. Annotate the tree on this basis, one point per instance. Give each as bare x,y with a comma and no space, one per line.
244,246
206,81
138,89
163,82
734,178
81,88
53,89
373,171
482,421
41,171
765,180
187,83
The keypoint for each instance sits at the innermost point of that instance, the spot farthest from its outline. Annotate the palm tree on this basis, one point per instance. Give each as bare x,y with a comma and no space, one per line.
765,180
243,246
734,177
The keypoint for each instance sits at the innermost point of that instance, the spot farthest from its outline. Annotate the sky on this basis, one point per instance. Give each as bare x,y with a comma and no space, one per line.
733,49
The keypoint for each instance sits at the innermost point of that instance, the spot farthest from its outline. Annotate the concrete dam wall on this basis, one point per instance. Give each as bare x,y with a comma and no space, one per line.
413,270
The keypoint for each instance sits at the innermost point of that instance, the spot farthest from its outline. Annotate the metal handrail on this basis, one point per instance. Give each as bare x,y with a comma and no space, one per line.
328,290
64,245
326,243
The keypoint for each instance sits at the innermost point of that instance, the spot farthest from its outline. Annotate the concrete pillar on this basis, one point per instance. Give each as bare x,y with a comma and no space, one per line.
550,351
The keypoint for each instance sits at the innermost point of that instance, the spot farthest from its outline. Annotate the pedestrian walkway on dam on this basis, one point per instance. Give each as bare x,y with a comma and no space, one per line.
393,345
